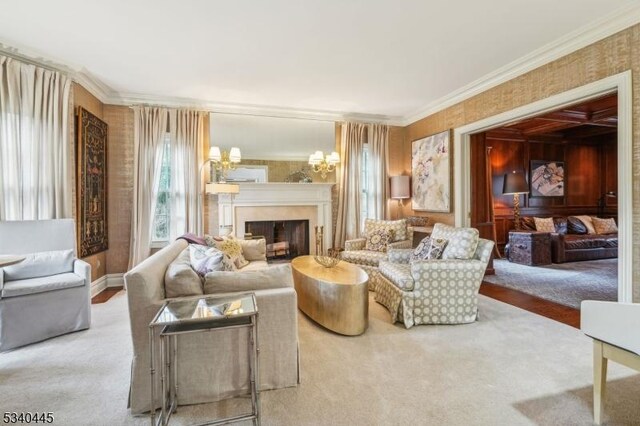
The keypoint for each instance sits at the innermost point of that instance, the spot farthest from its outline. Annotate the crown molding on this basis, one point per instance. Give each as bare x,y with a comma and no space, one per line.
604,27
95,86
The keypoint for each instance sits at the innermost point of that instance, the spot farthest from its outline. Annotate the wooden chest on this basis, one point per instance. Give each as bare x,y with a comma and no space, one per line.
530,248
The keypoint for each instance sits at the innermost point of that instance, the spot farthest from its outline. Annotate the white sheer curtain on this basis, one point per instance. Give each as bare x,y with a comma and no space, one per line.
36,171
187,134
351,149
378,177
150,127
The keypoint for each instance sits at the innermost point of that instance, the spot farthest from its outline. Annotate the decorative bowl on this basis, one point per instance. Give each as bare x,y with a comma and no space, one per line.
331,259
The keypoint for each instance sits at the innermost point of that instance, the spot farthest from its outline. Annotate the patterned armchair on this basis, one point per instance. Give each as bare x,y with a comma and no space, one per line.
355,252
442,291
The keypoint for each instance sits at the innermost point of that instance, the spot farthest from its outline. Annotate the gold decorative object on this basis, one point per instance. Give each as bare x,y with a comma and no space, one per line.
323,164
223,161
329,259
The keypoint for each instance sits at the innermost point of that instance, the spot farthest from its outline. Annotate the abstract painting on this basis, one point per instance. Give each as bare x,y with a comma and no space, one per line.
92,184
431,173
547,178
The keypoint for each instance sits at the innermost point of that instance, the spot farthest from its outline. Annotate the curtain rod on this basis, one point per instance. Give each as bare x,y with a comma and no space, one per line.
39,62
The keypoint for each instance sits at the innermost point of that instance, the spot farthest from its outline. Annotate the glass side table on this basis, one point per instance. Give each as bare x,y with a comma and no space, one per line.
205,314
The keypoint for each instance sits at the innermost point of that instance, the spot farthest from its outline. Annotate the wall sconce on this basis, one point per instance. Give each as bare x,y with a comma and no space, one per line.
323,164
400,189
224,161
516,184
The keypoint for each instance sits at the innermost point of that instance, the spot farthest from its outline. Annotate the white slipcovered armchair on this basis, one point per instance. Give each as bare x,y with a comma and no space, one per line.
438,291
356,253
615,329
48,294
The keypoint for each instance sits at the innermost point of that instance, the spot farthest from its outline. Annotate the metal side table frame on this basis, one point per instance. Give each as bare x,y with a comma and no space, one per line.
202,319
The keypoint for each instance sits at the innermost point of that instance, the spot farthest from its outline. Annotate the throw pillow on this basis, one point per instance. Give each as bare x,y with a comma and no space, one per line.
397,227
438,246
180,279
429,248
575,226
41,264
461,242
544,224
604,226
588,223
378,240
230,247
253,250
205,259
277,276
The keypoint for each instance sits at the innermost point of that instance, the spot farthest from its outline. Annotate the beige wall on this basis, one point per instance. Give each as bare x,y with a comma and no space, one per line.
82,98
610,56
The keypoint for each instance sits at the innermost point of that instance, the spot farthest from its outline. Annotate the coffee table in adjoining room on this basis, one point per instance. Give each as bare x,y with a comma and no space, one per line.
336,298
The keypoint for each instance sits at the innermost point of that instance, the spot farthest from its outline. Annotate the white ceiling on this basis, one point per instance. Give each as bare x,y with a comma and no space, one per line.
376,57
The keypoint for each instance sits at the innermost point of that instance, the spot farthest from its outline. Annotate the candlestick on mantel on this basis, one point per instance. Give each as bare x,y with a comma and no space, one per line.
319,233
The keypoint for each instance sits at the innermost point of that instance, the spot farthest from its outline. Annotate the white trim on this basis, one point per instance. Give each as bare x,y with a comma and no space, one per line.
99,285
602,28
106,281
623,85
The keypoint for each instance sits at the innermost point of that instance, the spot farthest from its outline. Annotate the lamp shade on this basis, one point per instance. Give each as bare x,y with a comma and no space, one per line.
214,153
400,187
333,158
222,188
515,183
234,155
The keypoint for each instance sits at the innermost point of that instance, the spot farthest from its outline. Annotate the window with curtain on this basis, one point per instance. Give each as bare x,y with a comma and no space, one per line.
364,186
162,215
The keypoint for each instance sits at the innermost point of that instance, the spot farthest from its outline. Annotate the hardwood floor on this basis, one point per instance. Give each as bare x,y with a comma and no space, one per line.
546,308
105,295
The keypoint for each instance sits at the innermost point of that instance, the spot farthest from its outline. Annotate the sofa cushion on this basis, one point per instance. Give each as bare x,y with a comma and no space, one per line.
429,248
363,257
253,250
41,284
231,247
205,259
583,242
398,228
544,224
611,242
462,242
398,273
180,278
604,226
277,276
588,223
41,264
575,226
378,240
256,265
560,225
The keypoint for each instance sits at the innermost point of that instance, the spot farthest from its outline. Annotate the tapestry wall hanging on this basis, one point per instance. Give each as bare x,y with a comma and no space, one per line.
431,173
91,184
547,178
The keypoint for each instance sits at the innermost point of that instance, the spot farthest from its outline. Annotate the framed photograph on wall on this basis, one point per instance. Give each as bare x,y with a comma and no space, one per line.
431,173
547,178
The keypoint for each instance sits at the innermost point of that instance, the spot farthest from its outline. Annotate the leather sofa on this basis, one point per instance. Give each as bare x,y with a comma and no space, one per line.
571,242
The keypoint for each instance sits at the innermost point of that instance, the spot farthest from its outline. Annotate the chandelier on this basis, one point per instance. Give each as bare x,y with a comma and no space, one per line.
323,164
223,161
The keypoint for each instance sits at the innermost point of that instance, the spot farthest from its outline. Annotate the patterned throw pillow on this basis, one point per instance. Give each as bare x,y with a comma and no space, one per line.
230,247
398,228
588,223
604,226
544,224
461,242
205,259
429,248
378,240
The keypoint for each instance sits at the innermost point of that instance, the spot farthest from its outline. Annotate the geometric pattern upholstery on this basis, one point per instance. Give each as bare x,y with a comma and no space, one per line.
445,291
398,228
363,257
604,226
398,273
462,242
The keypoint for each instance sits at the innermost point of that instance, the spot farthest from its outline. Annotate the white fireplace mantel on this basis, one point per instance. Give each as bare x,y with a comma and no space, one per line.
279,195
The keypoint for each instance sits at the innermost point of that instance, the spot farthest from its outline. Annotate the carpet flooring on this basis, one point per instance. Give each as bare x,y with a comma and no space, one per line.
564,283
509,368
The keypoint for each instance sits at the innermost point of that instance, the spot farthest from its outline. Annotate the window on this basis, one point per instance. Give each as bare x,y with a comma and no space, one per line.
162,216
364,186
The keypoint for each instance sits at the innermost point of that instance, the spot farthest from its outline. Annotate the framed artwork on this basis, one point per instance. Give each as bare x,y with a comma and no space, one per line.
91,184
547,178
431,173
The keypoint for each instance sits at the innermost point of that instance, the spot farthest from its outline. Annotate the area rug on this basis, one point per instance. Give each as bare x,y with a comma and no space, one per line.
565,283
511,367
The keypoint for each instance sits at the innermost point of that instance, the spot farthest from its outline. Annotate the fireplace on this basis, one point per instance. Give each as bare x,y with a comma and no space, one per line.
285,238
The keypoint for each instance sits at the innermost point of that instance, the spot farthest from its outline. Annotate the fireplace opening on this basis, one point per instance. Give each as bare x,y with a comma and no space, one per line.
285,239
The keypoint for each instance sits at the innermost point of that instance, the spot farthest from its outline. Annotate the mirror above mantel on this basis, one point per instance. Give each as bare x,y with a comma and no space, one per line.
274,147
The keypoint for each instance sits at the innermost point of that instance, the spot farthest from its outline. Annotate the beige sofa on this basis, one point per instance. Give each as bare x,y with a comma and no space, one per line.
212,366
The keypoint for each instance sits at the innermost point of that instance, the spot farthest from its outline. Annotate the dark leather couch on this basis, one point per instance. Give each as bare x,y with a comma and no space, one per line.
571,242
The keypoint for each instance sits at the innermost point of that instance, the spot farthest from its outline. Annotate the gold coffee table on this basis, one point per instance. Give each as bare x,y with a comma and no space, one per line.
336,298
8,260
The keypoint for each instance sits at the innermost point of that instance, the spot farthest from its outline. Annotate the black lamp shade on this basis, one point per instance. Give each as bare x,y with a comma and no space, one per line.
515,183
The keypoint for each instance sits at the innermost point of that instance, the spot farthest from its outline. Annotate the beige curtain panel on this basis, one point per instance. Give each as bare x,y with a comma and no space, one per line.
36,167
378,179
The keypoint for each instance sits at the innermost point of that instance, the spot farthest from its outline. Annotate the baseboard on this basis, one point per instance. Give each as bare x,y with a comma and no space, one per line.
106,281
